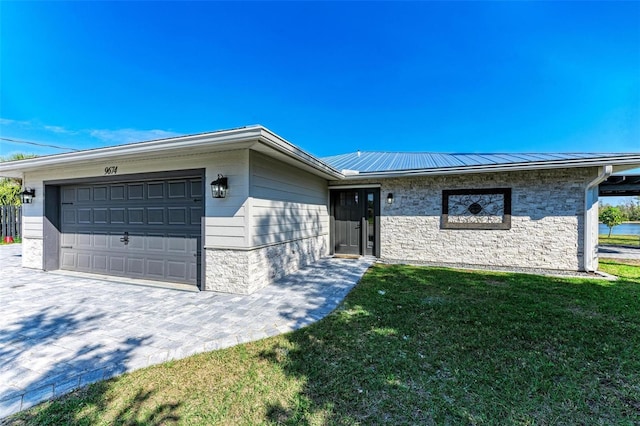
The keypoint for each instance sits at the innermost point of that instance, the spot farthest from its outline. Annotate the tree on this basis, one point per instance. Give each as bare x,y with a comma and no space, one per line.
9,192
10,188
611,216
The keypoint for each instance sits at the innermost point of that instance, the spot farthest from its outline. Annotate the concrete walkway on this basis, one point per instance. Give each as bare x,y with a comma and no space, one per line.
58,333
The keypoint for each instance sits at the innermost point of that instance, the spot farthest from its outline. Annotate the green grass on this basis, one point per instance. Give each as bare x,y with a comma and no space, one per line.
15,241
619,240
409,345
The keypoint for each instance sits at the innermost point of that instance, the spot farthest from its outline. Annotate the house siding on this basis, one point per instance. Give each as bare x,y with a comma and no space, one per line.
547,221
287,223
286,203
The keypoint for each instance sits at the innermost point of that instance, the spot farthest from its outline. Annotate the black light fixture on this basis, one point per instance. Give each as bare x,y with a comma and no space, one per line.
390,198
219,187
27,195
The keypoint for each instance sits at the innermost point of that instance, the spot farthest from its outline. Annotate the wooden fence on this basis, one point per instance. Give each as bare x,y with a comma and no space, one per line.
10,222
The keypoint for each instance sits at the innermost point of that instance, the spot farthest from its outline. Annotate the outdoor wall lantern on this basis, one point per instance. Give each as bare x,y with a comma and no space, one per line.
219,187
390,198
27,195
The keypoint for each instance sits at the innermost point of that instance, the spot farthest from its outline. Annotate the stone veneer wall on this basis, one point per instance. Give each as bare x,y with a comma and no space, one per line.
32,253
246,271
546,224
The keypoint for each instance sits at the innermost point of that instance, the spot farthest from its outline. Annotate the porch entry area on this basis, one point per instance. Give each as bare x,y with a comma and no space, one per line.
355,221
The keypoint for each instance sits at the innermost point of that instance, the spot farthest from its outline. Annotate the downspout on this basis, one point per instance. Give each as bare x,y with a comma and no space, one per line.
607,170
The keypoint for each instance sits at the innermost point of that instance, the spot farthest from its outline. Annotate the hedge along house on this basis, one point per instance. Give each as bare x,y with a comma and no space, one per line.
234,210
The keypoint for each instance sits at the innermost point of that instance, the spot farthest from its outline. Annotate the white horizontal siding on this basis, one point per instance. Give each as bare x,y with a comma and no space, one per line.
225,219
32,226
286,203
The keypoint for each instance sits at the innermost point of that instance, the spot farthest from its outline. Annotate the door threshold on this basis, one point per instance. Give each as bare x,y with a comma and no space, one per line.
125,280
347,256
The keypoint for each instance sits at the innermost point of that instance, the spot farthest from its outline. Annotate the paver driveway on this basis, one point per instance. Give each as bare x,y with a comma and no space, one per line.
58,333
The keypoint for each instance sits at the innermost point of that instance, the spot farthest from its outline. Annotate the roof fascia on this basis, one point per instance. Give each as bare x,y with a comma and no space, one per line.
150,148
285,147
222,139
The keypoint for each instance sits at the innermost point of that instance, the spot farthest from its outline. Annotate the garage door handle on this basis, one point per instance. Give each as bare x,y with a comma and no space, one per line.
125,239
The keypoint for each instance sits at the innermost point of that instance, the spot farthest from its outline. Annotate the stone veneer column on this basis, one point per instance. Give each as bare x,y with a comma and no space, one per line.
32,253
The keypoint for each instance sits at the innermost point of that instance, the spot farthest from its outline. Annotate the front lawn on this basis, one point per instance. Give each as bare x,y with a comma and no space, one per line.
409,345
619,240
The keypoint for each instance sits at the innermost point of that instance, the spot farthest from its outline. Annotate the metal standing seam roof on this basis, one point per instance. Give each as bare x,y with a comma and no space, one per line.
376,161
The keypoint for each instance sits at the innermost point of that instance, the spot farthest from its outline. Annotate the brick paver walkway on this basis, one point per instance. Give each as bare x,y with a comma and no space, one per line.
58,333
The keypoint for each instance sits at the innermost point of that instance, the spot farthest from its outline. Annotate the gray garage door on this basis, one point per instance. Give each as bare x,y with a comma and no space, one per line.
149,230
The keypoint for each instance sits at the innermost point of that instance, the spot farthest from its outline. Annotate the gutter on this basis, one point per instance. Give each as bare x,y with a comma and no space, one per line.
607,170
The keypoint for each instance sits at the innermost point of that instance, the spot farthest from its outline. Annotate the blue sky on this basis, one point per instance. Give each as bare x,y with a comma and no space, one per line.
331,77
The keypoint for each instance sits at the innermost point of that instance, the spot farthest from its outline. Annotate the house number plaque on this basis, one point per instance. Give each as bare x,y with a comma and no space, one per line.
111,170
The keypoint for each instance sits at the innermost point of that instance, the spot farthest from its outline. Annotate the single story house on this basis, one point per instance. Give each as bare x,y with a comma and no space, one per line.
234,210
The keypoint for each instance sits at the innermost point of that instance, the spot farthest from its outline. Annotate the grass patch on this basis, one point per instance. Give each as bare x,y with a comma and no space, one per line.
409,345
623,268
16,240
619,240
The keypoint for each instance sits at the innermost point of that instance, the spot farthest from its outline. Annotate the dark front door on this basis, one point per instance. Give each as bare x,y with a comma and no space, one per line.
355,221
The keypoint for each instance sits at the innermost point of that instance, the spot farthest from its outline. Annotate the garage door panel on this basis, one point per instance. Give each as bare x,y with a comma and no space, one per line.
177,215
83,194
136,191
193,271
177,244
100,263
155,242
100,241
116,216
195,216
195,188
67,239
117,192
155,268
155,190
68,260
136,242
155,215
84,216
177,189
162,221
69,217
84,261
136,266
177,270
83,241
135,216
100,215
100,193
116,264
68,195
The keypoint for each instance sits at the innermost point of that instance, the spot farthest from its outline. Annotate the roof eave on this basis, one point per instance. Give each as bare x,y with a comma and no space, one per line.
226,139
155,147
495,168
290,150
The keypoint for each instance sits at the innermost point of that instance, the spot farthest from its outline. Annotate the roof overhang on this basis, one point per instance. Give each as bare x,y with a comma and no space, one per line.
620,186
260,139
620,163
255,138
